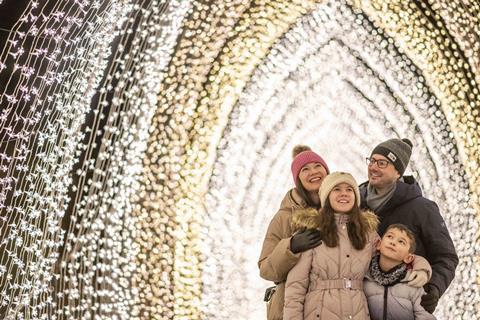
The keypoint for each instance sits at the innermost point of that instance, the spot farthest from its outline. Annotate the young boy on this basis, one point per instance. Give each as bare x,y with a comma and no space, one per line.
387,294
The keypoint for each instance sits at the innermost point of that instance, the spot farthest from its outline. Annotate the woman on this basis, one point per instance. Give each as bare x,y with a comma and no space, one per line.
281,250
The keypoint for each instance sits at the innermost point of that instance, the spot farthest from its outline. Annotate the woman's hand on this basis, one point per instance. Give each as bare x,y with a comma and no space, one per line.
305,240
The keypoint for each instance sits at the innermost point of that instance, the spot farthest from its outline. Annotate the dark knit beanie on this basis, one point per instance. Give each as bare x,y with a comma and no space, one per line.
397,151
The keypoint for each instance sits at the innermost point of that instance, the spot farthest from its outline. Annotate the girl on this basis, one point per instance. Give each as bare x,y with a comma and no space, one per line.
327,282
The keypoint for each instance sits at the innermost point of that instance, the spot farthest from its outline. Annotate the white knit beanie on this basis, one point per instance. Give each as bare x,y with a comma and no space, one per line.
333,179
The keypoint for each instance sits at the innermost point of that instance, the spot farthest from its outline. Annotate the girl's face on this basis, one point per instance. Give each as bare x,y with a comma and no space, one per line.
311,176
342,198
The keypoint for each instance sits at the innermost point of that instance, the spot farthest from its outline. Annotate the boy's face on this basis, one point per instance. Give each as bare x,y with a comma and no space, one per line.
395,245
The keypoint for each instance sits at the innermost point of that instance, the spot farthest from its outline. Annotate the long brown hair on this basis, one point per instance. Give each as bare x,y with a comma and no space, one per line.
305,195
358,227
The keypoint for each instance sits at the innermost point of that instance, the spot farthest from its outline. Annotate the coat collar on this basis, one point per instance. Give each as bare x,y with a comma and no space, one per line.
341,218
293,200
406,190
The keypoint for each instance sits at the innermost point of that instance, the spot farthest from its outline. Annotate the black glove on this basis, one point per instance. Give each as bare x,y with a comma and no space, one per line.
430,300
305,240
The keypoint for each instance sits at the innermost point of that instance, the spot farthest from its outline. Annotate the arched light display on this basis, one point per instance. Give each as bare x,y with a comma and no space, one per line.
146,144
356,89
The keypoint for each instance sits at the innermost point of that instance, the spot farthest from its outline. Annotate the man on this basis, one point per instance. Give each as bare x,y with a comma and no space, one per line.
398,199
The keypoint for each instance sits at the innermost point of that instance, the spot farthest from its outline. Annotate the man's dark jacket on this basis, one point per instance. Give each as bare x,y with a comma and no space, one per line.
409,207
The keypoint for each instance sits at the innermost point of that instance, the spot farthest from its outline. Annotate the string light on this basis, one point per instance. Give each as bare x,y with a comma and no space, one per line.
355,86
87,268
165,213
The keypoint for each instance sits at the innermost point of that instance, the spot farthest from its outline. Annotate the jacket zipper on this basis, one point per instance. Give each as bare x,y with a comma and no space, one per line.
385,300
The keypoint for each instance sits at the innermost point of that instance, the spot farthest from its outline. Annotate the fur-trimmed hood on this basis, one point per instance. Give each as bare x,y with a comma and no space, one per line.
308,219
305,219
372,220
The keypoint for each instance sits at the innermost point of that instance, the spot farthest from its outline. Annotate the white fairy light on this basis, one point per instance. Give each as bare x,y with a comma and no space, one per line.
336,83
136,232
45,109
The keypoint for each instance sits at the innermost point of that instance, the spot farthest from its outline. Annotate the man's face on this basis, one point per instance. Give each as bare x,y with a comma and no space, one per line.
395,246
380,178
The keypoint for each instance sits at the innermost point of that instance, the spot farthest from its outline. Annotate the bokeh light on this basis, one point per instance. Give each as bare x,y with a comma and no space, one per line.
146,144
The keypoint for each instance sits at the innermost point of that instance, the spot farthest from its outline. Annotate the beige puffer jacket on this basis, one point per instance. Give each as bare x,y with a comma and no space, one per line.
276,259
327,283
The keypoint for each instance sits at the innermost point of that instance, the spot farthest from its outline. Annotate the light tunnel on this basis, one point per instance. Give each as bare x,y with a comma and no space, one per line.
139,176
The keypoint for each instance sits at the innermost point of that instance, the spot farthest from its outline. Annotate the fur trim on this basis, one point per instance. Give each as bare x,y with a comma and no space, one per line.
308,219
371,219
304,218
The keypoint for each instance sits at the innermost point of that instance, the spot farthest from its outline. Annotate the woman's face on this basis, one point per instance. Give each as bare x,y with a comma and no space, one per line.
342,198
311,176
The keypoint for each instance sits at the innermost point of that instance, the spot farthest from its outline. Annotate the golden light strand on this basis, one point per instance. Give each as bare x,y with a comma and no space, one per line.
177,119
437,51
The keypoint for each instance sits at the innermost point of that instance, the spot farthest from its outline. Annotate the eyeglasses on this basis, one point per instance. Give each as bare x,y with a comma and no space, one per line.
382,164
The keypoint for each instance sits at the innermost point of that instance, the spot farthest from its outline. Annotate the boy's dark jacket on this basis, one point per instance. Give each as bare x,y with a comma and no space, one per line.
422,216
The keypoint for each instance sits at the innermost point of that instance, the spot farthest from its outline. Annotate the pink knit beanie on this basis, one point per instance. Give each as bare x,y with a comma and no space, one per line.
304,158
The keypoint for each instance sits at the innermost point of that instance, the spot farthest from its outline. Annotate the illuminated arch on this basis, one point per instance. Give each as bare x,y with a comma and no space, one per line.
146,144
219,100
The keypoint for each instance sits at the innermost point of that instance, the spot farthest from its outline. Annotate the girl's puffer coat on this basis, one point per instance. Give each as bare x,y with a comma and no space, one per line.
327,283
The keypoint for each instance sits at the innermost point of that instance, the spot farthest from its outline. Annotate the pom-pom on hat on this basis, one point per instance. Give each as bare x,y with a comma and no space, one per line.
333,179
298,149
303,158
397,151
